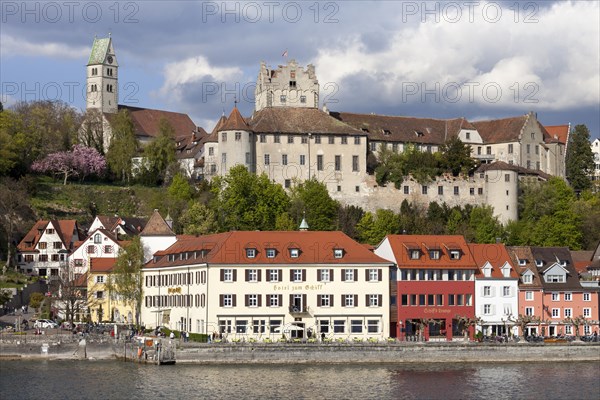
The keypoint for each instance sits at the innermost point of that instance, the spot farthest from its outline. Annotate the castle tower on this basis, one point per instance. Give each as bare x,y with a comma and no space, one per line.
236,143
102,77
287,86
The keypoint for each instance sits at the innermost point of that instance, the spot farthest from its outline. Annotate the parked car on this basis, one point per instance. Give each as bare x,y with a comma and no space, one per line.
45,324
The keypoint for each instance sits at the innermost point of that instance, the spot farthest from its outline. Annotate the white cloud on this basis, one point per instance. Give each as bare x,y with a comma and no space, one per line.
12,46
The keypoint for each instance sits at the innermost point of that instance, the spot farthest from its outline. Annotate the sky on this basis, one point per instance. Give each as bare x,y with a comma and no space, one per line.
472,59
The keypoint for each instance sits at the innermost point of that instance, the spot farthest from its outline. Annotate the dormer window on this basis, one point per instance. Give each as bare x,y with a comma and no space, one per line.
454,254
415,254
434,254
506,272
539,263
563,263
528,278
555,278
365,130
294,253
419,133
522,262
487,272
338,253
271,253
50,231
387,132
250,253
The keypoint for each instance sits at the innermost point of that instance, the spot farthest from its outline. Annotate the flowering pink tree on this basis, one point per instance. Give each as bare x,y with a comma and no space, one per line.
81,161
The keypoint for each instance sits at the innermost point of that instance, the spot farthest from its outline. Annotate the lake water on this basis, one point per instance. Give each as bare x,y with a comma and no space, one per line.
119,380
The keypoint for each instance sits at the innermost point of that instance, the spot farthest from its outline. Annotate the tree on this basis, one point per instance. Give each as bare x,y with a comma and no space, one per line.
15,213
579,161
245,201
160,153
68,293
373,228
311,199
35,300
485,225
5,296
123,146
456,157
347,219
198,219
576,323
81,161
285,223
125,281
523,320
91,133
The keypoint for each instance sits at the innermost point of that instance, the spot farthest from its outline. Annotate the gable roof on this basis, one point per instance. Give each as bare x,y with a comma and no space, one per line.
157,226
146,121
524,253
64,229
315,247
299,120
405,129
550,256
501,130
402,244
496,255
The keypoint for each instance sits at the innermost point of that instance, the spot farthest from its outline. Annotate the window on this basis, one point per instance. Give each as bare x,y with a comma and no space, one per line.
424,189
587,297
348,300
91,249
267,159
302,159
238,136
454,255
227,275
587,312
294,253
276,138
406,189
304,139
348,275
528,278
344,140
211,151
297,275
456,191
529,296
108,249
480,191
252,275
488,150
339,326
324,300
528,148
468,135
529,311
373,146
355,163
356,139
57,245
324,275
252,300
250,253
271,253
555,297
487,291
555,278
568,312
302,99
356,326
290,139
100,279
510,148
537,149
415,254
284,159
318,139
568,296
224,137
372,326
319,162
54,257
487,309
556,313
338,163
248,158
331,139
338,253
434,255
263,138
373,275
374,300
282,98
506,291
568,329
100,294
274,300
227,300
224,158
274,275
440,190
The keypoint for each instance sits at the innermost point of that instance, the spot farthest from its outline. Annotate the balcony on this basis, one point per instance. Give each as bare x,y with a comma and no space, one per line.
297,311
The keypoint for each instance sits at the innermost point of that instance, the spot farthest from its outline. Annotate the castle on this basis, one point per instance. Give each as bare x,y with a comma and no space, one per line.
289,137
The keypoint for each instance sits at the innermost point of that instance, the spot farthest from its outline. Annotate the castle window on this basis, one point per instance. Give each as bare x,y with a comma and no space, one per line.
424,189
263,138
356,139
224,137
318,139
284,159
387,132
355,164
211,151
468,135
331,139
293,84
302,159
472,191
238,136
319,162
344,140
302,99
395,147
267,159
282,98
510,148
224,158
441,190
277,138
287,183
456,191
338,163
290,139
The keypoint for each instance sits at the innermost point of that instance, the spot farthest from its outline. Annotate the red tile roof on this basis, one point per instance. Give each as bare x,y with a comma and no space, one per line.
501,130
405,129
234,122
497,255
64,229
230,248
102,264
525,254
558,132
402,244
147,121
299,120
157,226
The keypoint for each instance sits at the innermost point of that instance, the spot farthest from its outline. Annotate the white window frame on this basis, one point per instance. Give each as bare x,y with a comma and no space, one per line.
252,300
528,278
487,291
587,312
555,296
529,296
530,311
373,275
297,275
487,309
271,253
228,275
274,300
506,291
556,313
338,253
373,300
100,279
250,253
294,253
325,275
568,296
228,300
349,300
274,275
349,275
568,312
325,300
253,275
587,297
568,329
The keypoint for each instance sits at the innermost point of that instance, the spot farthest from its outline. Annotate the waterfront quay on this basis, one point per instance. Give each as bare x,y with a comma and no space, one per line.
100,347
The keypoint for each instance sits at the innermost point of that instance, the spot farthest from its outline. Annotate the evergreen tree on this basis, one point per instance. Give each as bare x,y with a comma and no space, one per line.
456,157
580,159
123,146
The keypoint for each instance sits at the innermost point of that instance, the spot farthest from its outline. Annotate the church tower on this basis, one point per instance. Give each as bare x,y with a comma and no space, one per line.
102,77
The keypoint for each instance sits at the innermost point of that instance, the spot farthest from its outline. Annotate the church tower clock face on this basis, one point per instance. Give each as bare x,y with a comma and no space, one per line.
109,59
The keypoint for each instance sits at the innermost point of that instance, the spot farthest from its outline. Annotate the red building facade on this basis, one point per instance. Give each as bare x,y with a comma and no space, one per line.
436,285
